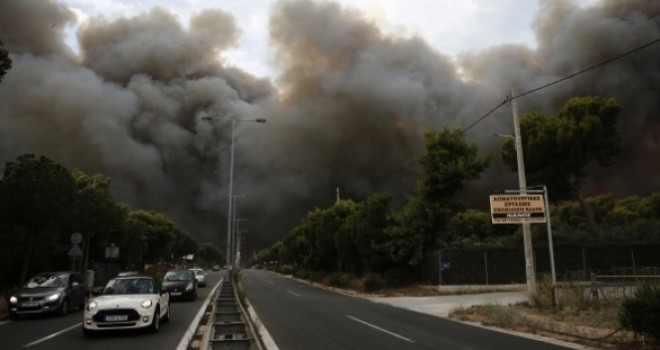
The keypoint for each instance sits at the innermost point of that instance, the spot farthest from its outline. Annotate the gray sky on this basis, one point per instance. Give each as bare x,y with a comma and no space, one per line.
449,26
348,91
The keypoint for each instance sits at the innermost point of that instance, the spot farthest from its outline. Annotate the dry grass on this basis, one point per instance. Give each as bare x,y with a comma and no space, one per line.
593,328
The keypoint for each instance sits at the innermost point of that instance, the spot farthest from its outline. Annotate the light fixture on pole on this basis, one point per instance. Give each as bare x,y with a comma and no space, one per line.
231,177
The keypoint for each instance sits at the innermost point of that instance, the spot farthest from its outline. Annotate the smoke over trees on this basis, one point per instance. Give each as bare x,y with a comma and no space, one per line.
349,109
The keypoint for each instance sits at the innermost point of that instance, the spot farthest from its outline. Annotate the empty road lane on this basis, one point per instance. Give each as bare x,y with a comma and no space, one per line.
300,317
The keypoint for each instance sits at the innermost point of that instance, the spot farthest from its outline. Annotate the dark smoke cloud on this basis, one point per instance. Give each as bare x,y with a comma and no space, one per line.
348,110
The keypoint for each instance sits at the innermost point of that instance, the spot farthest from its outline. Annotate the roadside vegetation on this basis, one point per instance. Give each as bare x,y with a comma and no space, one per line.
43,204
389,246
615,323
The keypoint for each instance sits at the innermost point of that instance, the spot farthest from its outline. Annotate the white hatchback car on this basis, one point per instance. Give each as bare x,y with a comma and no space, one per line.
130,302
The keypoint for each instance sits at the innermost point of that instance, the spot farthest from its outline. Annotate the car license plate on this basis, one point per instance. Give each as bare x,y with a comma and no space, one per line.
30,304
175,293
114,318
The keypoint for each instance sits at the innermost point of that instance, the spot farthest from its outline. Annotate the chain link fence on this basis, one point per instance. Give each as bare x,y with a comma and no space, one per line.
507,266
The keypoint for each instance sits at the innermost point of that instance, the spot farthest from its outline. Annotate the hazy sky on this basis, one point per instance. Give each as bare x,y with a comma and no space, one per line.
449,26
348,90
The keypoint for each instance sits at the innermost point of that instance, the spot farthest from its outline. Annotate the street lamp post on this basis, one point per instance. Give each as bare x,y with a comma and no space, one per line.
231,178
236,238
231,193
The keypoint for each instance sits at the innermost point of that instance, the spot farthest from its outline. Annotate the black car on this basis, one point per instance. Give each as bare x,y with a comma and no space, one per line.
49,292
181,284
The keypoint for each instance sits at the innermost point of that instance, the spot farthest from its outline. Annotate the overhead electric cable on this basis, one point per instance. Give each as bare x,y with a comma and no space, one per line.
610,60
511,98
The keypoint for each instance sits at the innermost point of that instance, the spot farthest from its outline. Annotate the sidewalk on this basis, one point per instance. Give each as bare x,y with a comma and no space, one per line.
443,305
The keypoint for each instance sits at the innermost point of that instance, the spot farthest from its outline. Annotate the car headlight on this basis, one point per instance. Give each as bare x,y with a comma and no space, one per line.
146,304
91,305
189,287
13,299
53,297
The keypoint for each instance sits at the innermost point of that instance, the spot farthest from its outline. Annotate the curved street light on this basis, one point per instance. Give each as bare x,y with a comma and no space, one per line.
231,177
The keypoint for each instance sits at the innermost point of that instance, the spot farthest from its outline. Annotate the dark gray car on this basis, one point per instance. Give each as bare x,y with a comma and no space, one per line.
49,292
181,284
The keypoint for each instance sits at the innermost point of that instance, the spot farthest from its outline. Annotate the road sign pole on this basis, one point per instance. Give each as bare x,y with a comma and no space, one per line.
555,297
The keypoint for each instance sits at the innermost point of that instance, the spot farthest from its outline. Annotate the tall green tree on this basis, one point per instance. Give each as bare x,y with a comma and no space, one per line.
97,216
209,253
183,243
557,150
157,231
448,165
367,227
37,196
5,61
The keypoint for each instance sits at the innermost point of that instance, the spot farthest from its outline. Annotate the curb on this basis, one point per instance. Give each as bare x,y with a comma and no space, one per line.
192,329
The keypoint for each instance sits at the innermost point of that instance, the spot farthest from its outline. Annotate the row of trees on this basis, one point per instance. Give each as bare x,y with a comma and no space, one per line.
372,237
43,204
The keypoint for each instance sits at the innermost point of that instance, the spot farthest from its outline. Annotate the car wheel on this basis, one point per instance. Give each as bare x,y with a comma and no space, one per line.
155,322
167,315
64,308
88,333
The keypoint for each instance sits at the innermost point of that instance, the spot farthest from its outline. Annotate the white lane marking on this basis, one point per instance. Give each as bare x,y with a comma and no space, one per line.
296,294
52,335
380,329
4,322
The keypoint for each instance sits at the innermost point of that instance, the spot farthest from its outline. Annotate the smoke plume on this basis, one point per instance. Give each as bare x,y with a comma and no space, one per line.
349,109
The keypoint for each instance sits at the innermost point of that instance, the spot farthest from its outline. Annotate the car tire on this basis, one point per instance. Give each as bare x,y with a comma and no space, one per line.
155,322
167,315
64,307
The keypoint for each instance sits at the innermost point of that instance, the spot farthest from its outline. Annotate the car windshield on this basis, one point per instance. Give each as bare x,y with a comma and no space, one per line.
46,281
177,276
199,272
129,286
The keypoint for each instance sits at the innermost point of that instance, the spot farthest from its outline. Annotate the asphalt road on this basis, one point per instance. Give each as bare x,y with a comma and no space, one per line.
301,317
64,333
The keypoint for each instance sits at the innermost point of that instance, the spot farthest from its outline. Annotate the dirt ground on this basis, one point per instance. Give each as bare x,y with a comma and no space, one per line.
592,328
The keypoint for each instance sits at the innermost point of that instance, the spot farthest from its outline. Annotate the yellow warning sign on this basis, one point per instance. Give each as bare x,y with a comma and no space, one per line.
517,208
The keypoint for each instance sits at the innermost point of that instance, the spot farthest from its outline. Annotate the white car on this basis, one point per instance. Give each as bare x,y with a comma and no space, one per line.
130,302
200,275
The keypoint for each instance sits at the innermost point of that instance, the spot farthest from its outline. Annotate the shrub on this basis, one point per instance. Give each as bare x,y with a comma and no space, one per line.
641,313
338,279
372,282
398,277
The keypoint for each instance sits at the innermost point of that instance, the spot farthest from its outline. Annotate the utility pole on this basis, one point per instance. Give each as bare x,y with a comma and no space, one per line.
522,184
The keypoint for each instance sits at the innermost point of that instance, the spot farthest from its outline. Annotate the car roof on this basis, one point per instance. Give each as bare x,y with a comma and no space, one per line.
136,276
58,273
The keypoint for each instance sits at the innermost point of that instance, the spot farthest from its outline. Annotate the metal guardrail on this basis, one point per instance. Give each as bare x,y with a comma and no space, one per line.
231,327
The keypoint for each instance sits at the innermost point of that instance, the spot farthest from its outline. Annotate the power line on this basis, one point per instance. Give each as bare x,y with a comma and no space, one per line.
610,60
511,98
